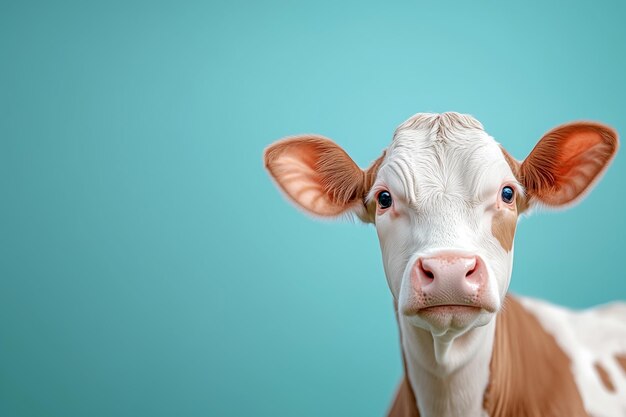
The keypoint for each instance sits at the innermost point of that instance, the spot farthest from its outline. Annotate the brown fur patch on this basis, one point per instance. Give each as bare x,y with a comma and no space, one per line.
504,221
521,201
513,163
621,360
370,177
503,227
530,374
604,377
318,175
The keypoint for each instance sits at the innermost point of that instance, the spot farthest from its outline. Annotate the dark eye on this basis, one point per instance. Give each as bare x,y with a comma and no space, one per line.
384,199
507,194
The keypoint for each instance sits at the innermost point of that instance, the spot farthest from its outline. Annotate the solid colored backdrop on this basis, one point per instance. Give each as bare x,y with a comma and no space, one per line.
148,265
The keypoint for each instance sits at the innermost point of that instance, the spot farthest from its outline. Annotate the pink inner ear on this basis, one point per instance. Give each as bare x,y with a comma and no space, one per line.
567,160
316,174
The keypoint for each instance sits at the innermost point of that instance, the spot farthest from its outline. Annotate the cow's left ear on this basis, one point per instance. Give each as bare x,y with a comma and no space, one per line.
566,162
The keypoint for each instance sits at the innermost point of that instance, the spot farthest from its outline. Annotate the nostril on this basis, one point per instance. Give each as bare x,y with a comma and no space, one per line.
427,272
472,268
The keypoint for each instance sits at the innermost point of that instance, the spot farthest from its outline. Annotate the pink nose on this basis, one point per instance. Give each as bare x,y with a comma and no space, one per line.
449,278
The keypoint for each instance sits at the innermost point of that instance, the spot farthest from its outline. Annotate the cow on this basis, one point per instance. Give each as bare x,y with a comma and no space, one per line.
445,199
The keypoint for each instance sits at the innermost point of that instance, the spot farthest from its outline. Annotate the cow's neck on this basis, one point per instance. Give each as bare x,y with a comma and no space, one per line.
508,368
448,377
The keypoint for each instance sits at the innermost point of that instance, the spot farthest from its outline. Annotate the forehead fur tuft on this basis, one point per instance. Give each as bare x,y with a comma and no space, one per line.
440,122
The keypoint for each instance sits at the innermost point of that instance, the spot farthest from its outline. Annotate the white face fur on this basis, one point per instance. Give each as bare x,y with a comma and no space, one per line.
445,176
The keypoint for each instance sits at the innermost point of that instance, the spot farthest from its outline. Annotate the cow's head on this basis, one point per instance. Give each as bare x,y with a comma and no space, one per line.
445,198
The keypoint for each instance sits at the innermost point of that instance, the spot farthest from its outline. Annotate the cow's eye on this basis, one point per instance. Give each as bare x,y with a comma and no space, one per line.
384,199
508,194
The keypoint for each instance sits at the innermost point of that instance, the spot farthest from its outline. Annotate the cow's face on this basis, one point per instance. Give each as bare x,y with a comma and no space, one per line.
445,199
446,207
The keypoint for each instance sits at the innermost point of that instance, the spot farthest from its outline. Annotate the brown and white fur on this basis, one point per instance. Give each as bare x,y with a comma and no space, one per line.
446,239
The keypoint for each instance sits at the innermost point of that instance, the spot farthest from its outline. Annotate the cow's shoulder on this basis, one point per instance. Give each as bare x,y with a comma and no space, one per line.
595,341
530,374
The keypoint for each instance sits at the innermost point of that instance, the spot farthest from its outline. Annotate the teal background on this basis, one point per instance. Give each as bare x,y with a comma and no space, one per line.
148,265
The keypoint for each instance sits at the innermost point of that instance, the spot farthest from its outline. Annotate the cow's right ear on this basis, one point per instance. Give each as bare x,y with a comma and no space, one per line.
320,177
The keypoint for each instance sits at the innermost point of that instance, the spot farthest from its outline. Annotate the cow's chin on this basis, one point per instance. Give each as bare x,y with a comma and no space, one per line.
448,319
